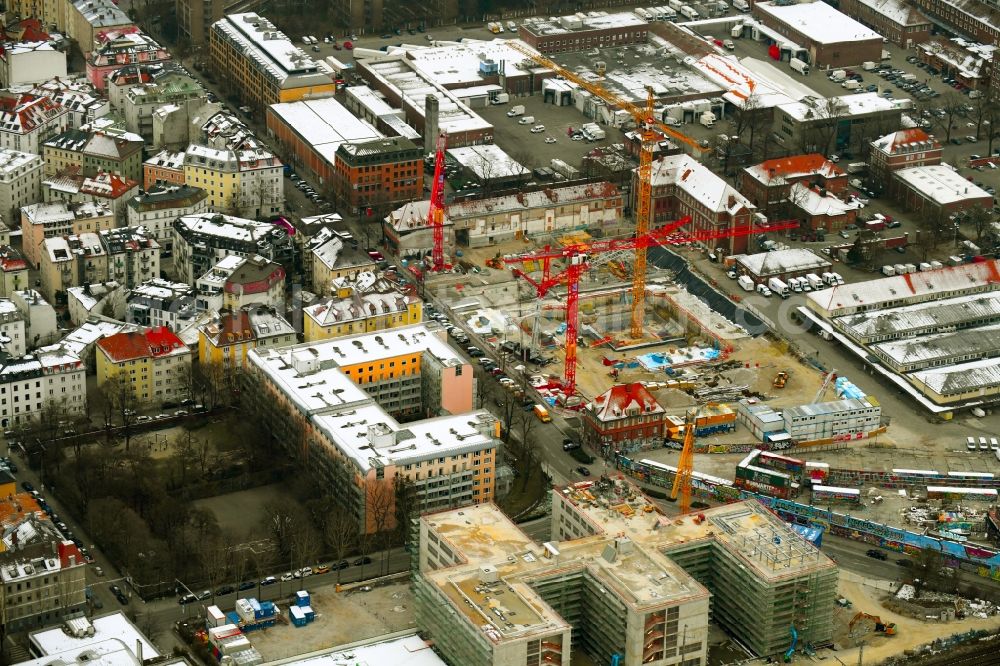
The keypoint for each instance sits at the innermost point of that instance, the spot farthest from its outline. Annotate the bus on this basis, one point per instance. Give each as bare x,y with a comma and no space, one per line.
828,494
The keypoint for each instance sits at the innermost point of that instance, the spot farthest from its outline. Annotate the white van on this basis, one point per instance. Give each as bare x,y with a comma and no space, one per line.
763,290
970,443
983,444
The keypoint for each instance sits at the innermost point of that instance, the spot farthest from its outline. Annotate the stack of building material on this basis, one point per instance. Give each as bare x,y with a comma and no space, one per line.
227,641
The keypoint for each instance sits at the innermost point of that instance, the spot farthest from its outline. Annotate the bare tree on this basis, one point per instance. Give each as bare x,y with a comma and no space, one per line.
379,500
821,133
993,118
341,532
406,506
980,220
952,105
215,559
118,394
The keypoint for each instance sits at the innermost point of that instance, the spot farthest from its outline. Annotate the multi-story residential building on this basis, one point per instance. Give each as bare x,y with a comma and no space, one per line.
42,572
71,261
974,19
363,305
163,168
228,337
384,171
624,418
155,362
118,48
971,64
83,104
160,303
258,63
90,152
82,341
767,185
32,382
590,582
20,181
26,121
57,219
166,86
582,33
900,22
195,17
13,332
158,207
683,186
339,402
133,255
899,150
39,317
333,257
84,20
30,62
14,270
200,241
254,279
107,188
97,299
237,183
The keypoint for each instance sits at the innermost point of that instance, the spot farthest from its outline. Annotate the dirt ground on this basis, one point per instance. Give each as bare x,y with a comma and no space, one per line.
341,618
910,633
241,512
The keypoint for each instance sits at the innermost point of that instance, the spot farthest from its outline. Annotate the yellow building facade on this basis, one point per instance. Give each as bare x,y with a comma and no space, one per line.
351,311
228,339
154,362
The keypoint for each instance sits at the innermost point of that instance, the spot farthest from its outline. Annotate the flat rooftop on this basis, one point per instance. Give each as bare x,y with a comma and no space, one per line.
969,343
905,320
324,124
846,105
112,627
488,162
408,650
961,378
263,43
818,21
457,66
581,22
941,184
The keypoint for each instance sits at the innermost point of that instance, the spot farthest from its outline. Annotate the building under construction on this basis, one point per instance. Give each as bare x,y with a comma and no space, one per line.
619,581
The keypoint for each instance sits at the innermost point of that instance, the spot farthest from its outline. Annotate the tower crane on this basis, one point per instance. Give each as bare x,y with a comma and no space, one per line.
830,376
578,255
685,465
435,213
651,130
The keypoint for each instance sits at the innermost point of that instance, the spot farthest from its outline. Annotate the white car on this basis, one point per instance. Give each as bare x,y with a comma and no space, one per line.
538,129
550,139
285,577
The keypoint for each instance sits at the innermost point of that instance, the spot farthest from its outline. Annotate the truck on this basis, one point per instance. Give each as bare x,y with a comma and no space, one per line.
857,167
837,279
829,280
746,282
779,287
814,280
875,225
837,75
800,66
909,78
737,31
643,14
850,84
675,5
689,13
542,413
741,5
515,111
868,65
888,270
707,119
500,98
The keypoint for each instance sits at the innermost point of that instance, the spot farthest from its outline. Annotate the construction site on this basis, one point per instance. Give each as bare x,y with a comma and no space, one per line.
619,581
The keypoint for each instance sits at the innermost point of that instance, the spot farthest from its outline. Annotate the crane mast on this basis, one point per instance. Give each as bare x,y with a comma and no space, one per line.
435,213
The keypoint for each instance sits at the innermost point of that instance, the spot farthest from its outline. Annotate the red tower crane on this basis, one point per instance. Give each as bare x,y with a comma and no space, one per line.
578,254
435,213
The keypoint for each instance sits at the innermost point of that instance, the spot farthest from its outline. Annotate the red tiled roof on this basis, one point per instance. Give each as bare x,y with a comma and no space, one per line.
799,165
615,402
154,343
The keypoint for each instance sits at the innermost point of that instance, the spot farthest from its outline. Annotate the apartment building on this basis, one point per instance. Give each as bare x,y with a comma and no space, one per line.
26,121
154,361
159,303
90,152
899,150
105,188
13,271
384,171
624,418
71,261
236,183
13,333
333,257
201,241
258,63
84,20
682,186
120,48
590,583
969,63
768,184
133,255
106,299
32,382
237,281
166,86
20,181
228,337
75,94
367,304
974,19
367,408
158,206
164,168
42,573
39,317
900,22
47,220
30,62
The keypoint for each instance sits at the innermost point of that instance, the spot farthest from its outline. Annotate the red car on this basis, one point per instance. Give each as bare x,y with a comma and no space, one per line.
348,45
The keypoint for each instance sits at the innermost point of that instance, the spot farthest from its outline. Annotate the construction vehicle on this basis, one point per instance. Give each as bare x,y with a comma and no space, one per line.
889,629
780,380
435,213
577,257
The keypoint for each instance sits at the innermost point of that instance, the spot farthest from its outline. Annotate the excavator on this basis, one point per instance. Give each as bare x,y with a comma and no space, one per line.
880,627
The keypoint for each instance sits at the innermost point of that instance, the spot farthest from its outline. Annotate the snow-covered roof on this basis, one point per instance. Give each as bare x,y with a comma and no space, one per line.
818,21
941,184
909,320
699,182
845,106
624,401
324,124
961,378
224,226
780,262
794,167
580,22
488,162
80,339
976,342
813,203
114,627
906,140
458,65
90,295
403,651
368,296
334,253
741,82
897,11
270,50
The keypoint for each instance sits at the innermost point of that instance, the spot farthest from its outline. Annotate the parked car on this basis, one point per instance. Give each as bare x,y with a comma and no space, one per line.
362,560
303,572
287,576
269,580
224,590
876,554
187,599
583,471
321,569
204,594
246,585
